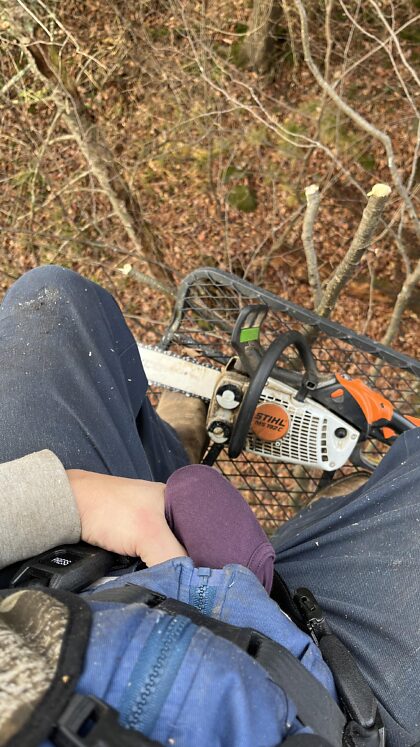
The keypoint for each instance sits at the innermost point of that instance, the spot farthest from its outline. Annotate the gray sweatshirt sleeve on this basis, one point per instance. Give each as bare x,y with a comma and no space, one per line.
37,507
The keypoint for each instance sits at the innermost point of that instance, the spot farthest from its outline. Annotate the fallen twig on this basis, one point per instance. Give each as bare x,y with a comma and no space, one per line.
130,272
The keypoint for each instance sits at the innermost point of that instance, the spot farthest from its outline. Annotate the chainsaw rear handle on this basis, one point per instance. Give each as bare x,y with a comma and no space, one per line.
245,338
377,412
245,341
402,423
259,380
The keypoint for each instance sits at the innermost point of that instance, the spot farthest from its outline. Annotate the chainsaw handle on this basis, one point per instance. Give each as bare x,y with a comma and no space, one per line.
259,380
402,423
245,338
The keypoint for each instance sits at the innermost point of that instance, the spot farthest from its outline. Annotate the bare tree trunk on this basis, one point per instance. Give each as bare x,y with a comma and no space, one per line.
260,41
48,66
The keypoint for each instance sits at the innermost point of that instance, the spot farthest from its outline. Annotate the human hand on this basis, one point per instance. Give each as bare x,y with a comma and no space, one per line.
124,515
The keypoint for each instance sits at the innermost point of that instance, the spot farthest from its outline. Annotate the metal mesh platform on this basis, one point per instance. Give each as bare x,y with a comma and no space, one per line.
206,309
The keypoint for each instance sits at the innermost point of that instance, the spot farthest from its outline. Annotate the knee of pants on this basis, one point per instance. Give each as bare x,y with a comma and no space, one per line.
54,277
48,279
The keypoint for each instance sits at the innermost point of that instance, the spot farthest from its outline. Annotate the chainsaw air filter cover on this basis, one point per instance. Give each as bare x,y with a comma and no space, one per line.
313,436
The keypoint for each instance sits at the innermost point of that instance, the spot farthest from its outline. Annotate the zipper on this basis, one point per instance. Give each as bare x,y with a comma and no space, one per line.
202,596
204,574
155,672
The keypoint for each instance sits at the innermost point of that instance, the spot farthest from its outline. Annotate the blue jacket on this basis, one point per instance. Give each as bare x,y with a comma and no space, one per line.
179,683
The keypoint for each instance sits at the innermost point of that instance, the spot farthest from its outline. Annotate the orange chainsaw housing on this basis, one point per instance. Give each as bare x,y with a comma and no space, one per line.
374,405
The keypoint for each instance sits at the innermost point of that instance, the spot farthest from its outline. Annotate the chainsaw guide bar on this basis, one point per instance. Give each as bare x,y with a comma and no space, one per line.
177,373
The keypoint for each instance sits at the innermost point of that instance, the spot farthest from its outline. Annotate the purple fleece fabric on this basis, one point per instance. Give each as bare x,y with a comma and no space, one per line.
215,524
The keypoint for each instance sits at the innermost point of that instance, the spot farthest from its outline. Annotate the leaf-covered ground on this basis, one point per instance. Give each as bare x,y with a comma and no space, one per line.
214,179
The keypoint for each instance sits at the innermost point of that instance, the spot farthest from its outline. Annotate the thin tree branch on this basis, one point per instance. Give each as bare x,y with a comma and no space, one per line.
361,242
383,44
401,304
15,79
312,206
396,41
91,142
288,17
369,314
357,118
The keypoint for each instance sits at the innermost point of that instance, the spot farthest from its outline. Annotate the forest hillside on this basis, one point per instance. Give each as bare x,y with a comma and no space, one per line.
141,139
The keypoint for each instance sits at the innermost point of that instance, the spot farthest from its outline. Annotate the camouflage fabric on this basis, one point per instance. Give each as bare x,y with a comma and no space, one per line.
32,628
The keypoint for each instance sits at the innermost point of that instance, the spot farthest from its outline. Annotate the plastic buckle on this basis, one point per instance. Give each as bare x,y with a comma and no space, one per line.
311,613
154,598
356,735
69,567
89,722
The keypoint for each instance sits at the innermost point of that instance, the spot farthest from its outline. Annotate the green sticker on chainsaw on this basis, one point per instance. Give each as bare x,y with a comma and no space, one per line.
249,334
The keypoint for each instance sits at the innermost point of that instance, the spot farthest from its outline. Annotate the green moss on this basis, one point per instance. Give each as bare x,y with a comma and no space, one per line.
310,106
257,135
353,91
328,125
29,96
200,156
233,172
221,146
192,69
287,147
293,198
238,54
294,128
242,198
412,33
338,132
367,161
273,173
157,33
223,50
21,178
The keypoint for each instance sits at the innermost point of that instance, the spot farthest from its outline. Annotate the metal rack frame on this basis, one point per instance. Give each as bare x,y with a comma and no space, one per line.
206,308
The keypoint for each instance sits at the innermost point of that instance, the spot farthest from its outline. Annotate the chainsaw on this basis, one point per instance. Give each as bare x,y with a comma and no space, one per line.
258,405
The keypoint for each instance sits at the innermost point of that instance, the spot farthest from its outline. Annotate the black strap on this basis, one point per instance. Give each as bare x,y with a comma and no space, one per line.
67,567
352,688
315,707
89,722
356,696
280,593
